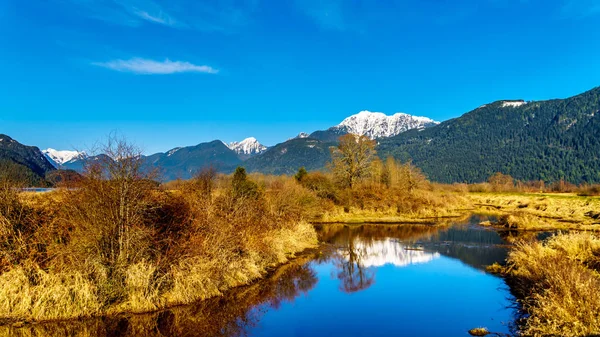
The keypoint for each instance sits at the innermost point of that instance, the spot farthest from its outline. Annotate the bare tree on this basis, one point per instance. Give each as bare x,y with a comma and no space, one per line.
351,159
111,206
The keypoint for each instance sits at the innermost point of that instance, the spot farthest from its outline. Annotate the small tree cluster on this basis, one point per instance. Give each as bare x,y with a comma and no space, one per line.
501,182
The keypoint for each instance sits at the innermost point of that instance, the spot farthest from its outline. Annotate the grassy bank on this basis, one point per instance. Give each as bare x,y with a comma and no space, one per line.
558,284
423,206
404,199
532,211
233,314
120,244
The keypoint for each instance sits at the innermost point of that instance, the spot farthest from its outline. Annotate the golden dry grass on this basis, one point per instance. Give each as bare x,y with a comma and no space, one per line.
34,294
393,206
37,295
540,211
229,315
558,283
196,278
64,256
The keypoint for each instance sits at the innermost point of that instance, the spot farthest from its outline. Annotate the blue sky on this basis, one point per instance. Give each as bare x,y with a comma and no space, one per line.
181,72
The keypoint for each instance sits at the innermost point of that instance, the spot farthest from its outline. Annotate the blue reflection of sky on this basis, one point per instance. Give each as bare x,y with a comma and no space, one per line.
442,297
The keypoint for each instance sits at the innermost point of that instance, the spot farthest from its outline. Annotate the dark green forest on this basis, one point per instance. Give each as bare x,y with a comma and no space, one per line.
24,164
287,157
544,140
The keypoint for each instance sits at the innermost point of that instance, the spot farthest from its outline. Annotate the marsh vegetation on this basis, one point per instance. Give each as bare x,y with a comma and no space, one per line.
114,241
119,243
557,282
364,267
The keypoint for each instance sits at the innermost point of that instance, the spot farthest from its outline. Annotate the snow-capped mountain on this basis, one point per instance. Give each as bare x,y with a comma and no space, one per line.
377,124
249,146
60,157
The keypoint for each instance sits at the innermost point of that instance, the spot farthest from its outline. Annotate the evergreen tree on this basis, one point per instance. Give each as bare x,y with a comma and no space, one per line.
301,174
241,186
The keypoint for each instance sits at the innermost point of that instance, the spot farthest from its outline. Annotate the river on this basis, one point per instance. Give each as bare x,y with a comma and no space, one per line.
369,280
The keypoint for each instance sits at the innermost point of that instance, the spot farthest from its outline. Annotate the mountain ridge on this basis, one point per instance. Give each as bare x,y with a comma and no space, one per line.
23,162
530,140
306,149
185,162
537,140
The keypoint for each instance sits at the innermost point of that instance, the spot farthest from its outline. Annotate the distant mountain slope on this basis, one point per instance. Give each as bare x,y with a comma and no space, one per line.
287,157
78,164
184,162
312,151
329,135
546,140
180,162
374,125
24,162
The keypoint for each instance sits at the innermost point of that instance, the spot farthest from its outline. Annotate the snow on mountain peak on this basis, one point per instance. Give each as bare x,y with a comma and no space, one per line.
172,151
377,124
513,104
301,135
61,157
248,146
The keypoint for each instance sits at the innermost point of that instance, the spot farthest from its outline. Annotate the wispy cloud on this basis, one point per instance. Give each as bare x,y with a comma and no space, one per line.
152,67
125,12
217,15
160,18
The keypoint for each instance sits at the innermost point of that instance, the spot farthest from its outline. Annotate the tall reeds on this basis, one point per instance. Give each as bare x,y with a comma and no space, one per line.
558,282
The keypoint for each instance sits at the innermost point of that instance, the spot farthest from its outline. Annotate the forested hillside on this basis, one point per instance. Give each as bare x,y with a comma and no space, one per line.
287,157
186,161
21,163
544,140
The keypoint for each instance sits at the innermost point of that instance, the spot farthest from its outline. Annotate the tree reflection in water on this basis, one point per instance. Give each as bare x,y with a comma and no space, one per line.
351,271
360,249
231,315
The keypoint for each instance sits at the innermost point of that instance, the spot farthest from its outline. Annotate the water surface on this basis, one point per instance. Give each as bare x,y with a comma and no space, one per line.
370,280
37,189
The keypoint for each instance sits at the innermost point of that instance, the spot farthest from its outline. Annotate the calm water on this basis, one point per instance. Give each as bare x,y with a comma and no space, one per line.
363,282
37,189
